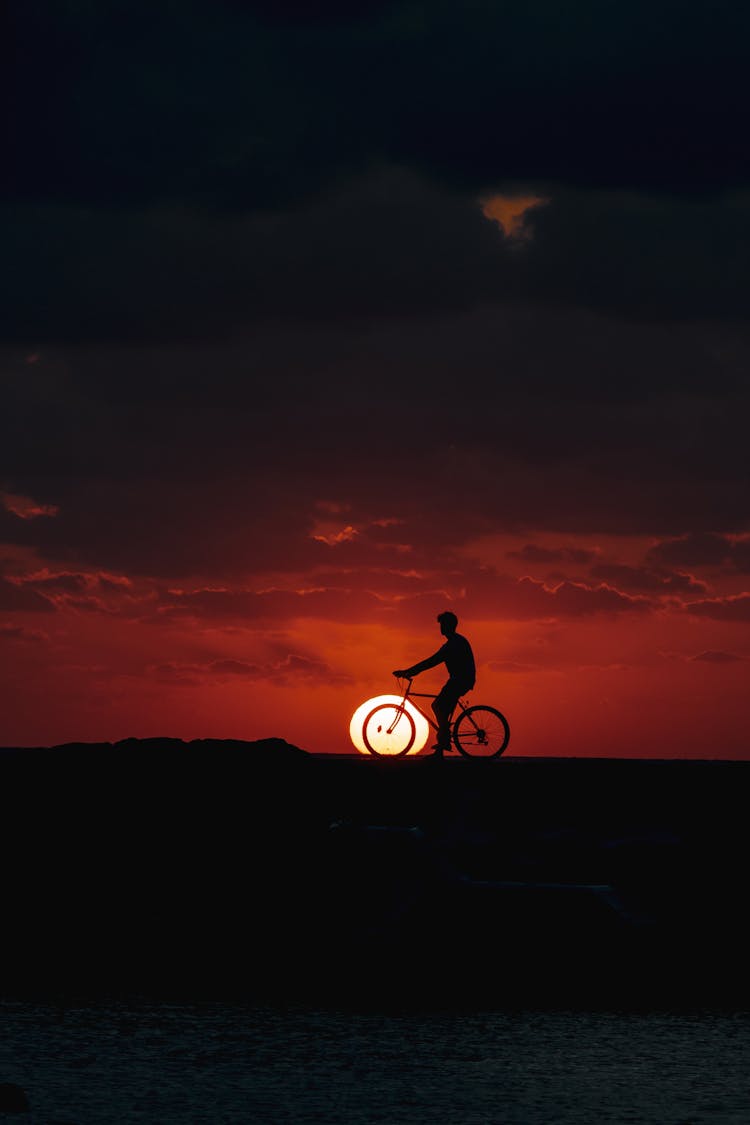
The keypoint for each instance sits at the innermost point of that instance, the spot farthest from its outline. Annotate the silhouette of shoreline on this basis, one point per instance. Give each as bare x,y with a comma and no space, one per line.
227,868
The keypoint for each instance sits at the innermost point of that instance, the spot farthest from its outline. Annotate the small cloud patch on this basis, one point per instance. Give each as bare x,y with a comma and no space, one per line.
21,633
332,534
510,212
25,507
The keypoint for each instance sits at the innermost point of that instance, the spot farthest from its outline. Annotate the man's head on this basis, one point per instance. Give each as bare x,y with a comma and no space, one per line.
448,622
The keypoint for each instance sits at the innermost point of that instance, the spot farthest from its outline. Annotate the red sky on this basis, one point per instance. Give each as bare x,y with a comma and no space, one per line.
592,645
323,319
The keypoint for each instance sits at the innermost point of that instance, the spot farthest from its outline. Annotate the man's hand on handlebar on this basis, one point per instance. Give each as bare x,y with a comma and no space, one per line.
402,675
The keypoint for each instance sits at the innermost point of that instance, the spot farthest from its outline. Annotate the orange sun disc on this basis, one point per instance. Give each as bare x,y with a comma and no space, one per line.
378,729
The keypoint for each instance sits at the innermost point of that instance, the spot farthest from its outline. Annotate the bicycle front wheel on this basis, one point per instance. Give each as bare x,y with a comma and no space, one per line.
481,732
389,731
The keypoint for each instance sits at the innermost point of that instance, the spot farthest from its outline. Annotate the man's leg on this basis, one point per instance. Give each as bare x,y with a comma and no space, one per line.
443,705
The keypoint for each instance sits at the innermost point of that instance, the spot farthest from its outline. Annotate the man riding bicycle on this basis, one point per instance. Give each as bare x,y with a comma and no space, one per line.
458,658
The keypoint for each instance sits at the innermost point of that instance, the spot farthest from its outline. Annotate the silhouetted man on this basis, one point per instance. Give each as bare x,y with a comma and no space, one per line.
458,658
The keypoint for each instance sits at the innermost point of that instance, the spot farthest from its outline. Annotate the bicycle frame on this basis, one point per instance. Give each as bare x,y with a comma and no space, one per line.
411,695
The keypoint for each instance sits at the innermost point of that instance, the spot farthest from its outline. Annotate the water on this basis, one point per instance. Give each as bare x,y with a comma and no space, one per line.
96,1064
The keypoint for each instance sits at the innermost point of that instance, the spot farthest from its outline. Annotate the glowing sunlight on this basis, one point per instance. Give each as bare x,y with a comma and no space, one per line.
383,739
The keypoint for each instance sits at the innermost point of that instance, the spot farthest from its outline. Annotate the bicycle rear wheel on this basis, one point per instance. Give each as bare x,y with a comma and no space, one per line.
389,731
481,732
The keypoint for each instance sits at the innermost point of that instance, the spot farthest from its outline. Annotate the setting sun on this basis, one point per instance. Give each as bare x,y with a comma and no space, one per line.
388,742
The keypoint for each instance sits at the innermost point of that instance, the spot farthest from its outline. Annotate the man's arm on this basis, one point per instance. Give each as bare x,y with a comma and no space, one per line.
430,662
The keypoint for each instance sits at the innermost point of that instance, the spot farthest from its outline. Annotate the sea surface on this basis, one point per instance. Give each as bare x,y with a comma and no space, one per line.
102,1063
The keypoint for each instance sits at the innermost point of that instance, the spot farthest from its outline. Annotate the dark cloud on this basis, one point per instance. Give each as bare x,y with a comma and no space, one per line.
577,599
695,549
485,595
143,101
297,667
52,584
385,244
292,668
515,359
654,580
210,494
639,256
14,598
253,233
286,12
191,674
533,553
275,605
704,549
21,633
177,175
733,608
90,592
235,105
364,597
389,244
352,582
163,526
713,656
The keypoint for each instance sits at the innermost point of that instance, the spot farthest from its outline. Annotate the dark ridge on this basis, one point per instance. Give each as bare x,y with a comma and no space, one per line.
245,869
270,748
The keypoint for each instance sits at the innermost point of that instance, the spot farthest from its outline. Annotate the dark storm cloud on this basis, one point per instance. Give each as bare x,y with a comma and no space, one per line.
512,358
276,209
238,104
210,460
181,171
639,256
132,103
385,244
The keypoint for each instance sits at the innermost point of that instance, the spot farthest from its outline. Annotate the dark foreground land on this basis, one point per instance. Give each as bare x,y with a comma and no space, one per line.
225,869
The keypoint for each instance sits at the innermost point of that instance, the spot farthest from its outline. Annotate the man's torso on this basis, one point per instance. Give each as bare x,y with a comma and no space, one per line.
459,660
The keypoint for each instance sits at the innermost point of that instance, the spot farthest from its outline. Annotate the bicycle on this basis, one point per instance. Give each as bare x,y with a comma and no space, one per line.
478,732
